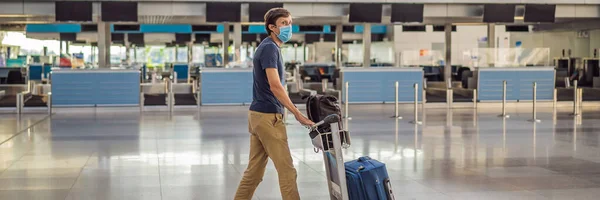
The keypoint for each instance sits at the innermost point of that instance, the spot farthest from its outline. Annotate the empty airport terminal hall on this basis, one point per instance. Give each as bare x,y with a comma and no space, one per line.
299,99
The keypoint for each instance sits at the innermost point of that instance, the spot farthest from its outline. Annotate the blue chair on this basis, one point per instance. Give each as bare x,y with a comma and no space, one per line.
35,72
182,71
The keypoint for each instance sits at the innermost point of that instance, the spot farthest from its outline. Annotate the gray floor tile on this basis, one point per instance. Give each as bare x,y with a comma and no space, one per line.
41,194
455,154
36,183
128,193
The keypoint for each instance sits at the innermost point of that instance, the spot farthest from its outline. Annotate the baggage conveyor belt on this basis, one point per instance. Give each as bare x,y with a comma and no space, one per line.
160,99
589,94
10,101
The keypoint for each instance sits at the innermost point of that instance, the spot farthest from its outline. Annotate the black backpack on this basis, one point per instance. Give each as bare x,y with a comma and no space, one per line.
317,108
320,106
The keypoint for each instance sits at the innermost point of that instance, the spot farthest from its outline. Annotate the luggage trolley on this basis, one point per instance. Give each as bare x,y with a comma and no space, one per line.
331,145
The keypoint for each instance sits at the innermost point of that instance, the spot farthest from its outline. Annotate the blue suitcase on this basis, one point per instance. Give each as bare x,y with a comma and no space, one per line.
367,179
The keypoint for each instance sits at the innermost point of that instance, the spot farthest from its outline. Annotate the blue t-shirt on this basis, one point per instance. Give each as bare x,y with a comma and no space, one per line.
266,56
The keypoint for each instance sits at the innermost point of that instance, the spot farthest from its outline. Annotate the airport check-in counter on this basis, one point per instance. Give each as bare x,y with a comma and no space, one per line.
377,85
519,83
226,86
93,88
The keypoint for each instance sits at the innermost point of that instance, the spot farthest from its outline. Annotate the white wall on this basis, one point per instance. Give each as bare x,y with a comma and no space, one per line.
556,41
465,38
594,41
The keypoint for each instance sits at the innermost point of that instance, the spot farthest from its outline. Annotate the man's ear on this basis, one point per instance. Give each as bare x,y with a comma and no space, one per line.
271,27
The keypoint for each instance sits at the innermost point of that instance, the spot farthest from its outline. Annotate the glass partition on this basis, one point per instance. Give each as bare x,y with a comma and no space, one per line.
507,57
423,57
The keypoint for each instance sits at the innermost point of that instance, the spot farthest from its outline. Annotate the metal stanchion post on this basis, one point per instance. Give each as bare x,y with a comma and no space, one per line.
475,98
534,117
416,111
19,102
449,94
575,99
580,104
346,115
504,115
171,97
142,100
49,103
554,98
199,98
396,106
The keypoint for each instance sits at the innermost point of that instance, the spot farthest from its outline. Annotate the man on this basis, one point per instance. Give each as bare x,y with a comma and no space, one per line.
268,137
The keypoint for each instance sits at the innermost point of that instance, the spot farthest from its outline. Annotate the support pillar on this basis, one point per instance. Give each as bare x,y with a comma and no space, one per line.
367,45
60,48
67,48
491,35
237,41
225,44
448,57
104,42
491,42
127,49
190,51
338,45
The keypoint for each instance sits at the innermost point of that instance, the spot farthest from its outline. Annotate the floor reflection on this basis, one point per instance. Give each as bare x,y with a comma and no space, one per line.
454,153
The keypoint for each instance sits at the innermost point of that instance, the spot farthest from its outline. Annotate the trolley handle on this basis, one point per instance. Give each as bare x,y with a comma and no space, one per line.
328,120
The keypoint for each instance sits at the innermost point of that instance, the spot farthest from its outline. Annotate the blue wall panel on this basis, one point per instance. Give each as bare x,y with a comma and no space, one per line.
374,29
53,28
378,86
91,88
519,84
227,87
166,28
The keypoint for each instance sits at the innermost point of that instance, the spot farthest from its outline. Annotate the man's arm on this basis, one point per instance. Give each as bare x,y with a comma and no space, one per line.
279,91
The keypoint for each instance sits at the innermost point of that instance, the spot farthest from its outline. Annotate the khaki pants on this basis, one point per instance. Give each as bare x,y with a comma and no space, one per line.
268,139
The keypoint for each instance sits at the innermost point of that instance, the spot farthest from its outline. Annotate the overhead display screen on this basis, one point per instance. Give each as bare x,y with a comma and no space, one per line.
540,13
113,11
136,38
311,38
223,12
407,13
73,11
365,13
257,10
499,13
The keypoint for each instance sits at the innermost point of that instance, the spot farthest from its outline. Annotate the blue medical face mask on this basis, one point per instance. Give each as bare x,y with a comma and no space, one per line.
285,33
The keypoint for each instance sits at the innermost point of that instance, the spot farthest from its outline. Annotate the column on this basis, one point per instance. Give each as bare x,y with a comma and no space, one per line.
390,36
190,48
127,48
367,45
491,35
338,45
225,44
448,58
104,42
237,41
491,42
45,53
67,48
60,48
176,53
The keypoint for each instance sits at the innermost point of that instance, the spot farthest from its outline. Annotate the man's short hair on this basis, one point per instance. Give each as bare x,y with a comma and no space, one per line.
272,15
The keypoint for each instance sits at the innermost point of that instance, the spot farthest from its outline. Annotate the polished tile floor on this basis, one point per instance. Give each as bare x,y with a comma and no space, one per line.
454,154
